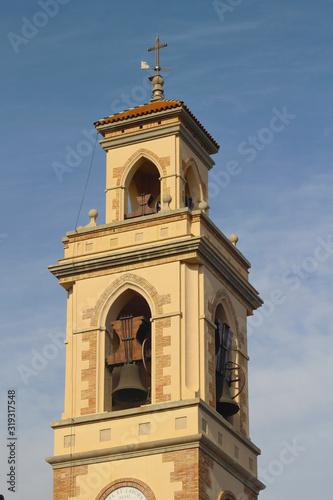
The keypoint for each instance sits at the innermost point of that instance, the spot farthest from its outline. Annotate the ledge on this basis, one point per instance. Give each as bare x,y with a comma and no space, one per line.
113,227
156,447
160,217
140,449
156,408
172,129
188,248
180,111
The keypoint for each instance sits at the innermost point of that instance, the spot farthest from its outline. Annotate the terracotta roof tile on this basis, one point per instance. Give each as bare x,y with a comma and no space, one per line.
151,107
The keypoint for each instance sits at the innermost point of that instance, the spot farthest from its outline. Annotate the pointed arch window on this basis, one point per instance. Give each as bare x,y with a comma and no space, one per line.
229,377
193,194
143,190
128,355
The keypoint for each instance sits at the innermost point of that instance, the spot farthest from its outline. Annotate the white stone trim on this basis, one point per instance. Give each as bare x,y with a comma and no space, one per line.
166,315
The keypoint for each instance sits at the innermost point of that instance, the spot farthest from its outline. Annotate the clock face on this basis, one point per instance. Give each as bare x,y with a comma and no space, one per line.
126,493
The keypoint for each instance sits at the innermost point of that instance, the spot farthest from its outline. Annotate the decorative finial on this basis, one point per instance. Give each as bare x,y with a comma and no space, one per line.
93,214
233,238
167,199
156,79
203,205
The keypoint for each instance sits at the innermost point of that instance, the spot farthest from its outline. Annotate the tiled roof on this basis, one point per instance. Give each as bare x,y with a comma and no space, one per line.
151,107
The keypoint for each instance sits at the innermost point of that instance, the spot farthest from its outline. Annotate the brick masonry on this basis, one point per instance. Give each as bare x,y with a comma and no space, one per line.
206,465
89,374
87,314
162,360
162,162
128,278
249,494
116,206
192,468
64,482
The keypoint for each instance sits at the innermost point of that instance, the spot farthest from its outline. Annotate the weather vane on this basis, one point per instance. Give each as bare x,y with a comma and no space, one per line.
156,79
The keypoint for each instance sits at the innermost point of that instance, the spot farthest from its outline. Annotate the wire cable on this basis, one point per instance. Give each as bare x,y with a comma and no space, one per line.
85,188
72,476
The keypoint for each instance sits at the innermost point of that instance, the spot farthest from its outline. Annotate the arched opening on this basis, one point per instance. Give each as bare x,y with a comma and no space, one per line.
136,487
192,188
143,191
128,352
226,371
221,315
226,495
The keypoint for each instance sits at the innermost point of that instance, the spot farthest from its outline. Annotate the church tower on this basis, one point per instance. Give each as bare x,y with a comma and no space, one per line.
156,393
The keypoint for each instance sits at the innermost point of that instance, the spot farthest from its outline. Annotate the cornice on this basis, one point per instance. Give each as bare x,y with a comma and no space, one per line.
197,140
163,217
152,409
191,247
237,254
200,441
179,111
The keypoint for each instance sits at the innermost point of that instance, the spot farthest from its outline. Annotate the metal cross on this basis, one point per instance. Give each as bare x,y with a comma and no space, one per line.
157,48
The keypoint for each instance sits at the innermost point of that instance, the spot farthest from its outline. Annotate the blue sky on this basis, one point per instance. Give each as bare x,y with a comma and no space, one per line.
239,66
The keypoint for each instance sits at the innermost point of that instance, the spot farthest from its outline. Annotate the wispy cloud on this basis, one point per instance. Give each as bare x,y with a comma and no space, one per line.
206,33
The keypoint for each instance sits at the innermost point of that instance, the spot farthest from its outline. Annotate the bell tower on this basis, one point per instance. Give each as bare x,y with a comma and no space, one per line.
156,393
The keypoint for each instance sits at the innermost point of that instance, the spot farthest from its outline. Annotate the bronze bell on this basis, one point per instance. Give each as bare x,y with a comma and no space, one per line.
130,388
225,405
